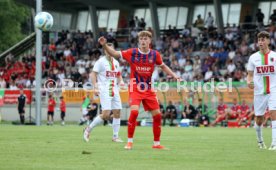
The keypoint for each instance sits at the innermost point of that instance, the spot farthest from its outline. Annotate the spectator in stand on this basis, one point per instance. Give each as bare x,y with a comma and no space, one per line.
208,74
199,23
231,67
273,17
209,22
3,84
186,31
142,24
13,86
170,113
260,18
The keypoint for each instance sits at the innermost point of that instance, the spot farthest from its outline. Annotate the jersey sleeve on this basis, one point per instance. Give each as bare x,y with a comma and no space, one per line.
97,67
159,60
126,54
250,65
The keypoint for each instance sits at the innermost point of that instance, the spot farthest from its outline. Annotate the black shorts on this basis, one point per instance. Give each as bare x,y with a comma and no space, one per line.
62,114
91,114
51,113
21,110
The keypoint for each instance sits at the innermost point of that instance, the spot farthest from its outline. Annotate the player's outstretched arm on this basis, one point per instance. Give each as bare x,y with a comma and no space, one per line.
167,70
249,78
109,49
93,76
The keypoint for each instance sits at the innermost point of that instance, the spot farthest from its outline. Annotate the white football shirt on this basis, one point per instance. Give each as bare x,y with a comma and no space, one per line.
108,72
263,66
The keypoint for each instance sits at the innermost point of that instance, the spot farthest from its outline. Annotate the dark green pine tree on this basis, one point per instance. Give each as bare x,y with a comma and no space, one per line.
12,16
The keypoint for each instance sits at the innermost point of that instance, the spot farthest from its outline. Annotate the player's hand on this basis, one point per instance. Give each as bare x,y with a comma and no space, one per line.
102,40
250,85
122,85
96,92
178,79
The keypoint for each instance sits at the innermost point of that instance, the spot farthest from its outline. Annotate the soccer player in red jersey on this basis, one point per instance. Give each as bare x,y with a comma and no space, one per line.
244,114
234,111
142,61
62,109
51,110
221,112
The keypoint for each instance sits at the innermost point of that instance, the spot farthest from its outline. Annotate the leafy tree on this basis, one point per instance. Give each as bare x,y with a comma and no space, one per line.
12,16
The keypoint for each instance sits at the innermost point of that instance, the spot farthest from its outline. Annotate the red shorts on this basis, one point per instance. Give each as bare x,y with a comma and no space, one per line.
148,99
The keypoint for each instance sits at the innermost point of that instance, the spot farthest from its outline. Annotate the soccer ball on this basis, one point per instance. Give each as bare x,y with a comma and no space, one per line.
43,21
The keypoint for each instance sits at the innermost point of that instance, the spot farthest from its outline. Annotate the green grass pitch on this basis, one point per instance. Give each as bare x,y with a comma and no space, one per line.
57,147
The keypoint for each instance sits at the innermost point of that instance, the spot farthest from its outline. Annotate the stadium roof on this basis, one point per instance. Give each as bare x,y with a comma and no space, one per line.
78,5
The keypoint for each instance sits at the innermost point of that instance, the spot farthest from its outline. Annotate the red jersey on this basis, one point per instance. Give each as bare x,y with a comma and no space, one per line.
235,107
222,107
62,106
51,105
142,66
244,108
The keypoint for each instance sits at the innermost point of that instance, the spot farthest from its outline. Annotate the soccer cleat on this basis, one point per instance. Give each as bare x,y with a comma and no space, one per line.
272,148
118,140
128,146
86,134
261,145
158,147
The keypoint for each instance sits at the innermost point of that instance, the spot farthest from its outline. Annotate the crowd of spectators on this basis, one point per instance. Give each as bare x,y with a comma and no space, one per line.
196,53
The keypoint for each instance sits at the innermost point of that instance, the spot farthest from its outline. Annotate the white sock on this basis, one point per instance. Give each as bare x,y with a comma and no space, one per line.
155,143
273,126
116,127
259,133
130,140
97,121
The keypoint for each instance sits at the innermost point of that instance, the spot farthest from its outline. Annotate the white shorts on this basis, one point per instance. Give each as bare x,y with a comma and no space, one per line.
262,102
110,103
84,111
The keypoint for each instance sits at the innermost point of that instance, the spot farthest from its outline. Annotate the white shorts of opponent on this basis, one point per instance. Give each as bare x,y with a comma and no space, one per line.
264,101
110,103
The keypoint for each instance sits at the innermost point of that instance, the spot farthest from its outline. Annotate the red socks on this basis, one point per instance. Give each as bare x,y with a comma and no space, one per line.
156,127
132,123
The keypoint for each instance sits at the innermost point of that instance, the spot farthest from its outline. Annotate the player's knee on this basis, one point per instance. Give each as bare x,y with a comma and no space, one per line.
105,115
157,117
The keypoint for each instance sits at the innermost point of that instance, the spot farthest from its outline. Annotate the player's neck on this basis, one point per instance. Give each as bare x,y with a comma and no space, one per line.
265,51
108,58
144,50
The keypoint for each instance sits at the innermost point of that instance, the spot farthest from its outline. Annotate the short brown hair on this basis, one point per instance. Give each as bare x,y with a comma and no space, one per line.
263,34
144,34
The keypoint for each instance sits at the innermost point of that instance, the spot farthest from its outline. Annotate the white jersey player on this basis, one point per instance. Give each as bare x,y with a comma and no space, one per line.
262,78
105,75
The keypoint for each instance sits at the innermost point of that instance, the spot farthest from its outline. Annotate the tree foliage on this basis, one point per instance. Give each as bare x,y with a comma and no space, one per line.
12,15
